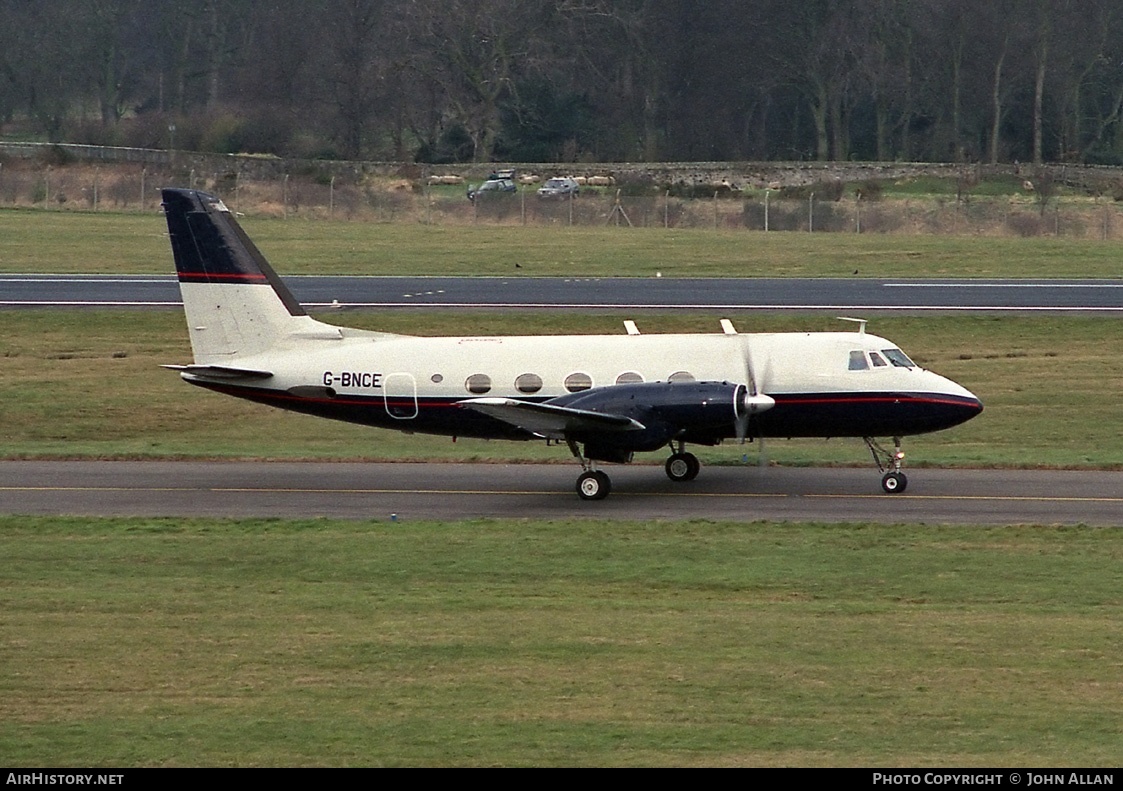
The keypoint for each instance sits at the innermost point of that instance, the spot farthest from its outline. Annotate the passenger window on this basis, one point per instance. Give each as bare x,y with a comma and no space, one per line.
575,383
528,383
858,361
478,384
681,376
878,361
629,378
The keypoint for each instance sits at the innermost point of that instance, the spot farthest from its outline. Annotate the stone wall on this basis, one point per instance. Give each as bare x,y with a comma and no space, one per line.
738,175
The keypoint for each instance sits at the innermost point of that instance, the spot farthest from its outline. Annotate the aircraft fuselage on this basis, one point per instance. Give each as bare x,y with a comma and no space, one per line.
605,396
417,383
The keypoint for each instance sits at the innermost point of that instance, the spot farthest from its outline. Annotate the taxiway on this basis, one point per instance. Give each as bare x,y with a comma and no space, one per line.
439,491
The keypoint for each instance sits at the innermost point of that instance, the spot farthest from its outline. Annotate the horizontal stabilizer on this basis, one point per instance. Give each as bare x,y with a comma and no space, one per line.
549,420
220,371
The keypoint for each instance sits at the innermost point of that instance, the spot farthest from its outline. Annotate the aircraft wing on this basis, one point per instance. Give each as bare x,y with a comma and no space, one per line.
220,371
550,420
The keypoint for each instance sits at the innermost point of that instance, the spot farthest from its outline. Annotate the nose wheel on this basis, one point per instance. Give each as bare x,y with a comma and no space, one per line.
893,481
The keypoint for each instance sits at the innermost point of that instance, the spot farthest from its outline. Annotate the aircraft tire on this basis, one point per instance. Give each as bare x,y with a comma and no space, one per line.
681,467
594,485
894,482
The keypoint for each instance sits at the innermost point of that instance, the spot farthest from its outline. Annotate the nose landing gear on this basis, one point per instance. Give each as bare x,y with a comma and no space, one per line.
893,481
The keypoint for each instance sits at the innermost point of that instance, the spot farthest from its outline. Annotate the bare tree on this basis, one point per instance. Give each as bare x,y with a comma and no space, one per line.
475,51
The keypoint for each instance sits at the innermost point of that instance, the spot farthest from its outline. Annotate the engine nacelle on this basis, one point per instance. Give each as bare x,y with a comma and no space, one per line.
668,410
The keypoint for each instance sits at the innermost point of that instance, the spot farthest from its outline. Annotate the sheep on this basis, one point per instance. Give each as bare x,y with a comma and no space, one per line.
446,179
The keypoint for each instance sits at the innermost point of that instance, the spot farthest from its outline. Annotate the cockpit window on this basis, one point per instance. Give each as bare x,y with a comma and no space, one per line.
878,360
858,360
898,358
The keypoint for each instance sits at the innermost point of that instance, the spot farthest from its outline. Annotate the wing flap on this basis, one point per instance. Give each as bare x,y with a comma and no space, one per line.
550,420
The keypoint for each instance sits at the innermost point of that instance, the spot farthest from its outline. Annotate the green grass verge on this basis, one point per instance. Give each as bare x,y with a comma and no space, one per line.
86,384
145,642
73,242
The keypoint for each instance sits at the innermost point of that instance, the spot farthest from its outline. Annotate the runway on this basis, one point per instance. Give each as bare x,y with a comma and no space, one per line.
728,294
410,491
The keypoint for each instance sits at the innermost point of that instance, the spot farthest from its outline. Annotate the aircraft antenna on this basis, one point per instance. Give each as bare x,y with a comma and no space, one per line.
861,324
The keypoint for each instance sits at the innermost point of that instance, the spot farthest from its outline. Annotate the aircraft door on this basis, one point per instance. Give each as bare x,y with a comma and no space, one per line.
399,394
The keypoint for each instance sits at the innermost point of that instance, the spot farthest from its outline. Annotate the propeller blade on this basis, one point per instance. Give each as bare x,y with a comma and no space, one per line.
753,401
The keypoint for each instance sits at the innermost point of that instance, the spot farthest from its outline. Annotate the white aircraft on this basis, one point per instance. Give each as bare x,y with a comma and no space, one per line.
606,397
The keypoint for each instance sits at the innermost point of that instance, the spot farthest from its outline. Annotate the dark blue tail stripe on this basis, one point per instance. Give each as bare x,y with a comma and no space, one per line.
210,247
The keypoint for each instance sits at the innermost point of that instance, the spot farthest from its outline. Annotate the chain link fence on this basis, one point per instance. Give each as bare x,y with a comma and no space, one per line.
135,187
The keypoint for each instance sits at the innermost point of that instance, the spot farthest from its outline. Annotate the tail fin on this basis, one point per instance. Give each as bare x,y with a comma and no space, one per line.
236,305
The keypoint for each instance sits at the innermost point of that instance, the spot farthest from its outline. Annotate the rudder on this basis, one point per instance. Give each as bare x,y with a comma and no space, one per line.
235,302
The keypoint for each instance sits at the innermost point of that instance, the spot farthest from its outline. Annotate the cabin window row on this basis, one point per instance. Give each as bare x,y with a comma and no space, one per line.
861,360
530,383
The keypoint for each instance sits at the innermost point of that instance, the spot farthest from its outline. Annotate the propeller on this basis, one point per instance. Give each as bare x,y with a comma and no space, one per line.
753,400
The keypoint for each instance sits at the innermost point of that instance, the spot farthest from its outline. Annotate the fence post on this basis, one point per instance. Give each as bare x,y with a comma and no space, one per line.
811,213
767,194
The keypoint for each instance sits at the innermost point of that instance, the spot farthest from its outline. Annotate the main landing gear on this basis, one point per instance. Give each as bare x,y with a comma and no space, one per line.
893,481
682,466
594,484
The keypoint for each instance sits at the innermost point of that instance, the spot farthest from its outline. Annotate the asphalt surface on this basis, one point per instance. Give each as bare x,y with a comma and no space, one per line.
852,294
412,491
453,491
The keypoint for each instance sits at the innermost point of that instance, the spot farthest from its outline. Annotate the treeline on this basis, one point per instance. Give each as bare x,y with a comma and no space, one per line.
573,80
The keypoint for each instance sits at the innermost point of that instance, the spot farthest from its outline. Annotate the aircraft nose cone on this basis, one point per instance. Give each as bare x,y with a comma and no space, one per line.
971,401
963,405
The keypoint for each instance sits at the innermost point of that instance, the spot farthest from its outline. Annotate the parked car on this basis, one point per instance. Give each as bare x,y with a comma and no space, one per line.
496,186
561,187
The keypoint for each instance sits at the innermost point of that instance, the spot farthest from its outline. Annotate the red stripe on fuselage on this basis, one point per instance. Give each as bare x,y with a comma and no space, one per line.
874,399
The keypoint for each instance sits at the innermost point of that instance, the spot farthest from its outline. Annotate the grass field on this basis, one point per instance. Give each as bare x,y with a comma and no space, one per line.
148,642
74,242
247,643
87,384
